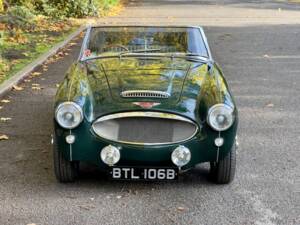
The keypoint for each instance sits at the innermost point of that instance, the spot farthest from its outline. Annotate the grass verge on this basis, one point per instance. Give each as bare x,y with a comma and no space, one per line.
25,46
20,46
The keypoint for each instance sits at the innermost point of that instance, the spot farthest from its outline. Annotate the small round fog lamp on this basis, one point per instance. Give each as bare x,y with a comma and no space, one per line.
219,141
181,156
70,139
110,155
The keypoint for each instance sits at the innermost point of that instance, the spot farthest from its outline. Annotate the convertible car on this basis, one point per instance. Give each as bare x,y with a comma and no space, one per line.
145,103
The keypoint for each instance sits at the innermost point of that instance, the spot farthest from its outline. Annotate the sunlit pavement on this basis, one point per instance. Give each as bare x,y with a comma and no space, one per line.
257,45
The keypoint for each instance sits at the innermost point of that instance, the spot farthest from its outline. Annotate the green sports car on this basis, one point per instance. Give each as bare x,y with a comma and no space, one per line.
145,103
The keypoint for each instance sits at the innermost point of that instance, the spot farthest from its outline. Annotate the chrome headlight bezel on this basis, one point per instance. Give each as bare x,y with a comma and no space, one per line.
227,113
76,108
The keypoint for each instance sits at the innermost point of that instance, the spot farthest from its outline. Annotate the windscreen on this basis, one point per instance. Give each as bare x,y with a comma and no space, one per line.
115,40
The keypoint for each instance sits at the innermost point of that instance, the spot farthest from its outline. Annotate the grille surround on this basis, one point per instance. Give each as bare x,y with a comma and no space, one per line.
144,94
146,115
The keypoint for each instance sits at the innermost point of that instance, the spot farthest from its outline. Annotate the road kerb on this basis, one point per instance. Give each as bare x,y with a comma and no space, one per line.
16,78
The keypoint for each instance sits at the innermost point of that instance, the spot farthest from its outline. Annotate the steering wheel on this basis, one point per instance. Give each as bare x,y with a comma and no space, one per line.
116,45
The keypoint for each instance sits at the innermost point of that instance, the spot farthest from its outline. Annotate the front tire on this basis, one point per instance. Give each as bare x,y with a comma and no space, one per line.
223,172
65,171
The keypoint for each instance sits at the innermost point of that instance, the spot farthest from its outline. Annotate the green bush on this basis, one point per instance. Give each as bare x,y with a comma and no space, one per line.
73,8
52,11
18,17
21,11
66,8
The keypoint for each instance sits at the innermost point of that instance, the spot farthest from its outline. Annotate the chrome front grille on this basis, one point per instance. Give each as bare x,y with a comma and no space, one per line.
145,128
144,94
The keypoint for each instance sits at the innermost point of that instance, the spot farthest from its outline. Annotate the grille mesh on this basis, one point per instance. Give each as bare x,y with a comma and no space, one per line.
145,130
144,94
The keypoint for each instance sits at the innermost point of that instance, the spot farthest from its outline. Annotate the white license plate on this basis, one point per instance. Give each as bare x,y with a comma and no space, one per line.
136,173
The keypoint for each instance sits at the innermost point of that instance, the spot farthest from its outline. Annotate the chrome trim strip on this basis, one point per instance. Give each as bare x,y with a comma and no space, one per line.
71,150
144,94
146,114
84,43
206,43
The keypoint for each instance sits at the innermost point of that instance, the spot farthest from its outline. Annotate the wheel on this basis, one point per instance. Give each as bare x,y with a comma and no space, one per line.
65,171
223,172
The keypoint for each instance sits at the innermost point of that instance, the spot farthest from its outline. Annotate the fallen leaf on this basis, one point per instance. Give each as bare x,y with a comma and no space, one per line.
3,137
17,88
180,208
5,101
4,119
36,74
36,88
72,43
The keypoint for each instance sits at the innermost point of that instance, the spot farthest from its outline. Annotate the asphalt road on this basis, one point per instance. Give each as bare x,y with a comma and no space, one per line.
257,44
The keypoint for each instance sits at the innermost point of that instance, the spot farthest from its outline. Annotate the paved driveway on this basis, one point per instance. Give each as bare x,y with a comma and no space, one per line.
257,44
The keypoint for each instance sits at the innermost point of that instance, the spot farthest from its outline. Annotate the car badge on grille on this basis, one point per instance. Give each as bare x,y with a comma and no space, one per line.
146,105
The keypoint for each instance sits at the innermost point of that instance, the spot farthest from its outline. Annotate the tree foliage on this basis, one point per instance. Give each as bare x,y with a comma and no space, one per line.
1,6
65,8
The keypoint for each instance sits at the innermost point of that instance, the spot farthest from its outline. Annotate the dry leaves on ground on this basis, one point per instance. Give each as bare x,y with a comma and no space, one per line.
36,88
180,208
4,119
3,137
72,43
5,101
270,105
35,74
17,88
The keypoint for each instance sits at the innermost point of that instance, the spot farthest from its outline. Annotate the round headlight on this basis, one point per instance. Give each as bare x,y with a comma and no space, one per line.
69,115
220,117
